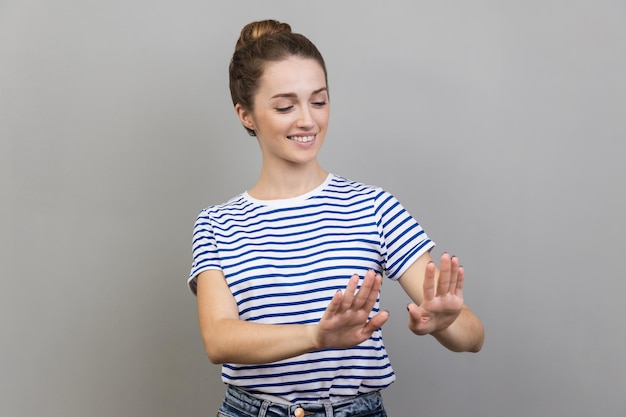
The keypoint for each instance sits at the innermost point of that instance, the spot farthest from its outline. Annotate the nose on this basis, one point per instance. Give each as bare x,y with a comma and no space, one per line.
305,118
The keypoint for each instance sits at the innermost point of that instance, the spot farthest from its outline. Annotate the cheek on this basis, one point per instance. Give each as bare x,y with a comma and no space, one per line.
274,125
266,121
323,119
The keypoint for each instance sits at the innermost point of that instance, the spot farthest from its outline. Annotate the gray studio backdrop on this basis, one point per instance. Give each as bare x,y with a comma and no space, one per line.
499,124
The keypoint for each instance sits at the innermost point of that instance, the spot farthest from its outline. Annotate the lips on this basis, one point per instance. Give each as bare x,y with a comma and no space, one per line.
302,139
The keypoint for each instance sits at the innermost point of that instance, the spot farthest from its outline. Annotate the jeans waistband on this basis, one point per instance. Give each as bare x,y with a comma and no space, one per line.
240,403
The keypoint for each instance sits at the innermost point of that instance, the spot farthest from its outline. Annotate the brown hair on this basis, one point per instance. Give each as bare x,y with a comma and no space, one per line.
261,42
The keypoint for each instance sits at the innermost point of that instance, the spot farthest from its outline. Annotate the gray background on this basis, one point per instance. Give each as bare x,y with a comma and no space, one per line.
500,125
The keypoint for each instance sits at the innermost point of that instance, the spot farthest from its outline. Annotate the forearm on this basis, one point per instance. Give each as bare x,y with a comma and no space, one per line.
238,341
465,334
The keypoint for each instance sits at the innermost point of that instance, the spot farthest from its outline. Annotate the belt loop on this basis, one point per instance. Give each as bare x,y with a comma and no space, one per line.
264,407
329,410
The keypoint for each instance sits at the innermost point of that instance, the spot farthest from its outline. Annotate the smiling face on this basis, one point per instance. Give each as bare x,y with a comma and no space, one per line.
291,111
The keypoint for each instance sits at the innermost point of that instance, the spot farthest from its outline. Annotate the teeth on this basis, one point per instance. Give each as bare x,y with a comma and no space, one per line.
302,139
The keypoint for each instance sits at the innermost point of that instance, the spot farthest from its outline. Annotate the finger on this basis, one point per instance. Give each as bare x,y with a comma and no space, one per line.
414,315
368,293
454,274
418,319
417,313
376,322
334,304
444,275
348,295
459,282
429,281
374,293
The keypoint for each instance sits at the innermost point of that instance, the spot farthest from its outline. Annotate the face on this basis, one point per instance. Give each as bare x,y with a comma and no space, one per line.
291,111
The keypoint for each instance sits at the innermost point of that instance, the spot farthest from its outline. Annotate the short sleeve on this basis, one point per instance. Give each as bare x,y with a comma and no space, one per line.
205,253
402,237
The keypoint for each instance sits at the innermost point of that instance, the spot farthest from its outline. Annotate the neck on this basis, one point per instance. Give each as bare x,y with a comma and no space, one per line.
274,184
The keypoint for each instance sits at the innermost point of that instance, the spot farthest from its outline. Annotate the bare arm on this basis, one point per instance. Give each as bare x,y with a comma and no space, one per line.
226,338
439,309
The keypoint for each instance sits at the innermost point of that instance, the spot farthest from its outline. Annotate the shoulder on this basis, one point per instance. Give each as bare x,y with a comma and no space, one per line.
341,185
236,208
350,188
234,204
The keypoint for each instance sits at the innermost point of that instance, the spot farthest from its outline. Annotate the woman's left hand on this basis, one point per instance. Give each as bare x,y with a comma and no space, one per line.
443,298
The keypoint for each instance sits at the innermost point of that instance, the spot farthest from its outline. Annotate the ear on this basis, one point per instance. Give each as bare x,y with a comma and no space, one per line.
245,116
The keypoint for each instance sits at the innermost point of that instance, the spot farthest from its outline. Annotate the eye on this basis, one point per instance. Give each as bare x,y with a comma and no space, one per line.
319,103
283,109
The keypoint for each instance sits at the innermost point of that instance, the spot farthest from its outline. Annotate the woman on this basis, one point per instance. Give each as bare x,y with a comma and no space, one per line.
287,274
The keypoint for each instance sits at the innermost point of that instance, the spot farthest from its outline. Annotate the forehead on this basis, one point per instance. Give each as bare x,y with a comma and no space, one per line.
292,75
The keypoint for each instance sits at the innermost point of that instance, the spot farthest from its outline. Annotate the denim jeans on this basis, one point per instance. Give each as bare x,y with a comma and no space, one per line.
238,403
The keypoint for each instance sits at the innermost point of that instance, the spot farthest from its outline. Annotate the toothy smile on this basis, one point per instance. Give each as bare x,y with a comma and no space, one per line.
302,139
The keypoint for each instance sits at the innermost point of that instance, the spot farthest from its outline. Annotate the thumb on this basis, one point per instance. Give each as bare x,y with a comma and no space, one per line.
376,322
417,317
415,313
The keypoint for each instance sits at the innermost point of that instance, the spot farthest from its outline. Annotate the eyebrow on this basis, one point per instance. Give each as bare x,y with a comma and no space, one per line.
292,95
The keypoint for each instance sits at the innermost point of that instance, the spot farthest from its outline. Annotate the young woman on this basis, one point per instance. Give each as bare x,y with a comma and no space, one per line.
287,274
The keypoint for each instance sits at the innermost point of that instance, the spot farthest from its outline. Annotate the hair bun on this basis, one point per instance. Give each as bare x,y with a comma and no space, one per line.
255,30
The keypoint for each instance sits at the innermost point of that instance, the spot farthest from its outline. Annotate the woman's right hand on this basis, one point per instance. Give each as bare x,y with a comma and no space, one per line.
346,321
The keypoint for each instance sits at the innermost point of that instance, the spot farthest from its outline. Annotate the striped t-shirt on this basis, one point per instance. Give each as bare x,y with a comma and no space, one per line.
285,259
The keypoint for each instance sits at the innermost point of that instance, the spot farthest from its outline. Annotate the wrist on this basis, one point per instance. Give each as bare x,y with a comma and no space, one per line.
312,335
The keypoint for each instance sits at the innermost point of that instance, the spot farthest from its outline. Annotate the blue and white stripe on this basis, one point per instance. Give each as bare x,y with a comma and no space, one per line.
283,261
